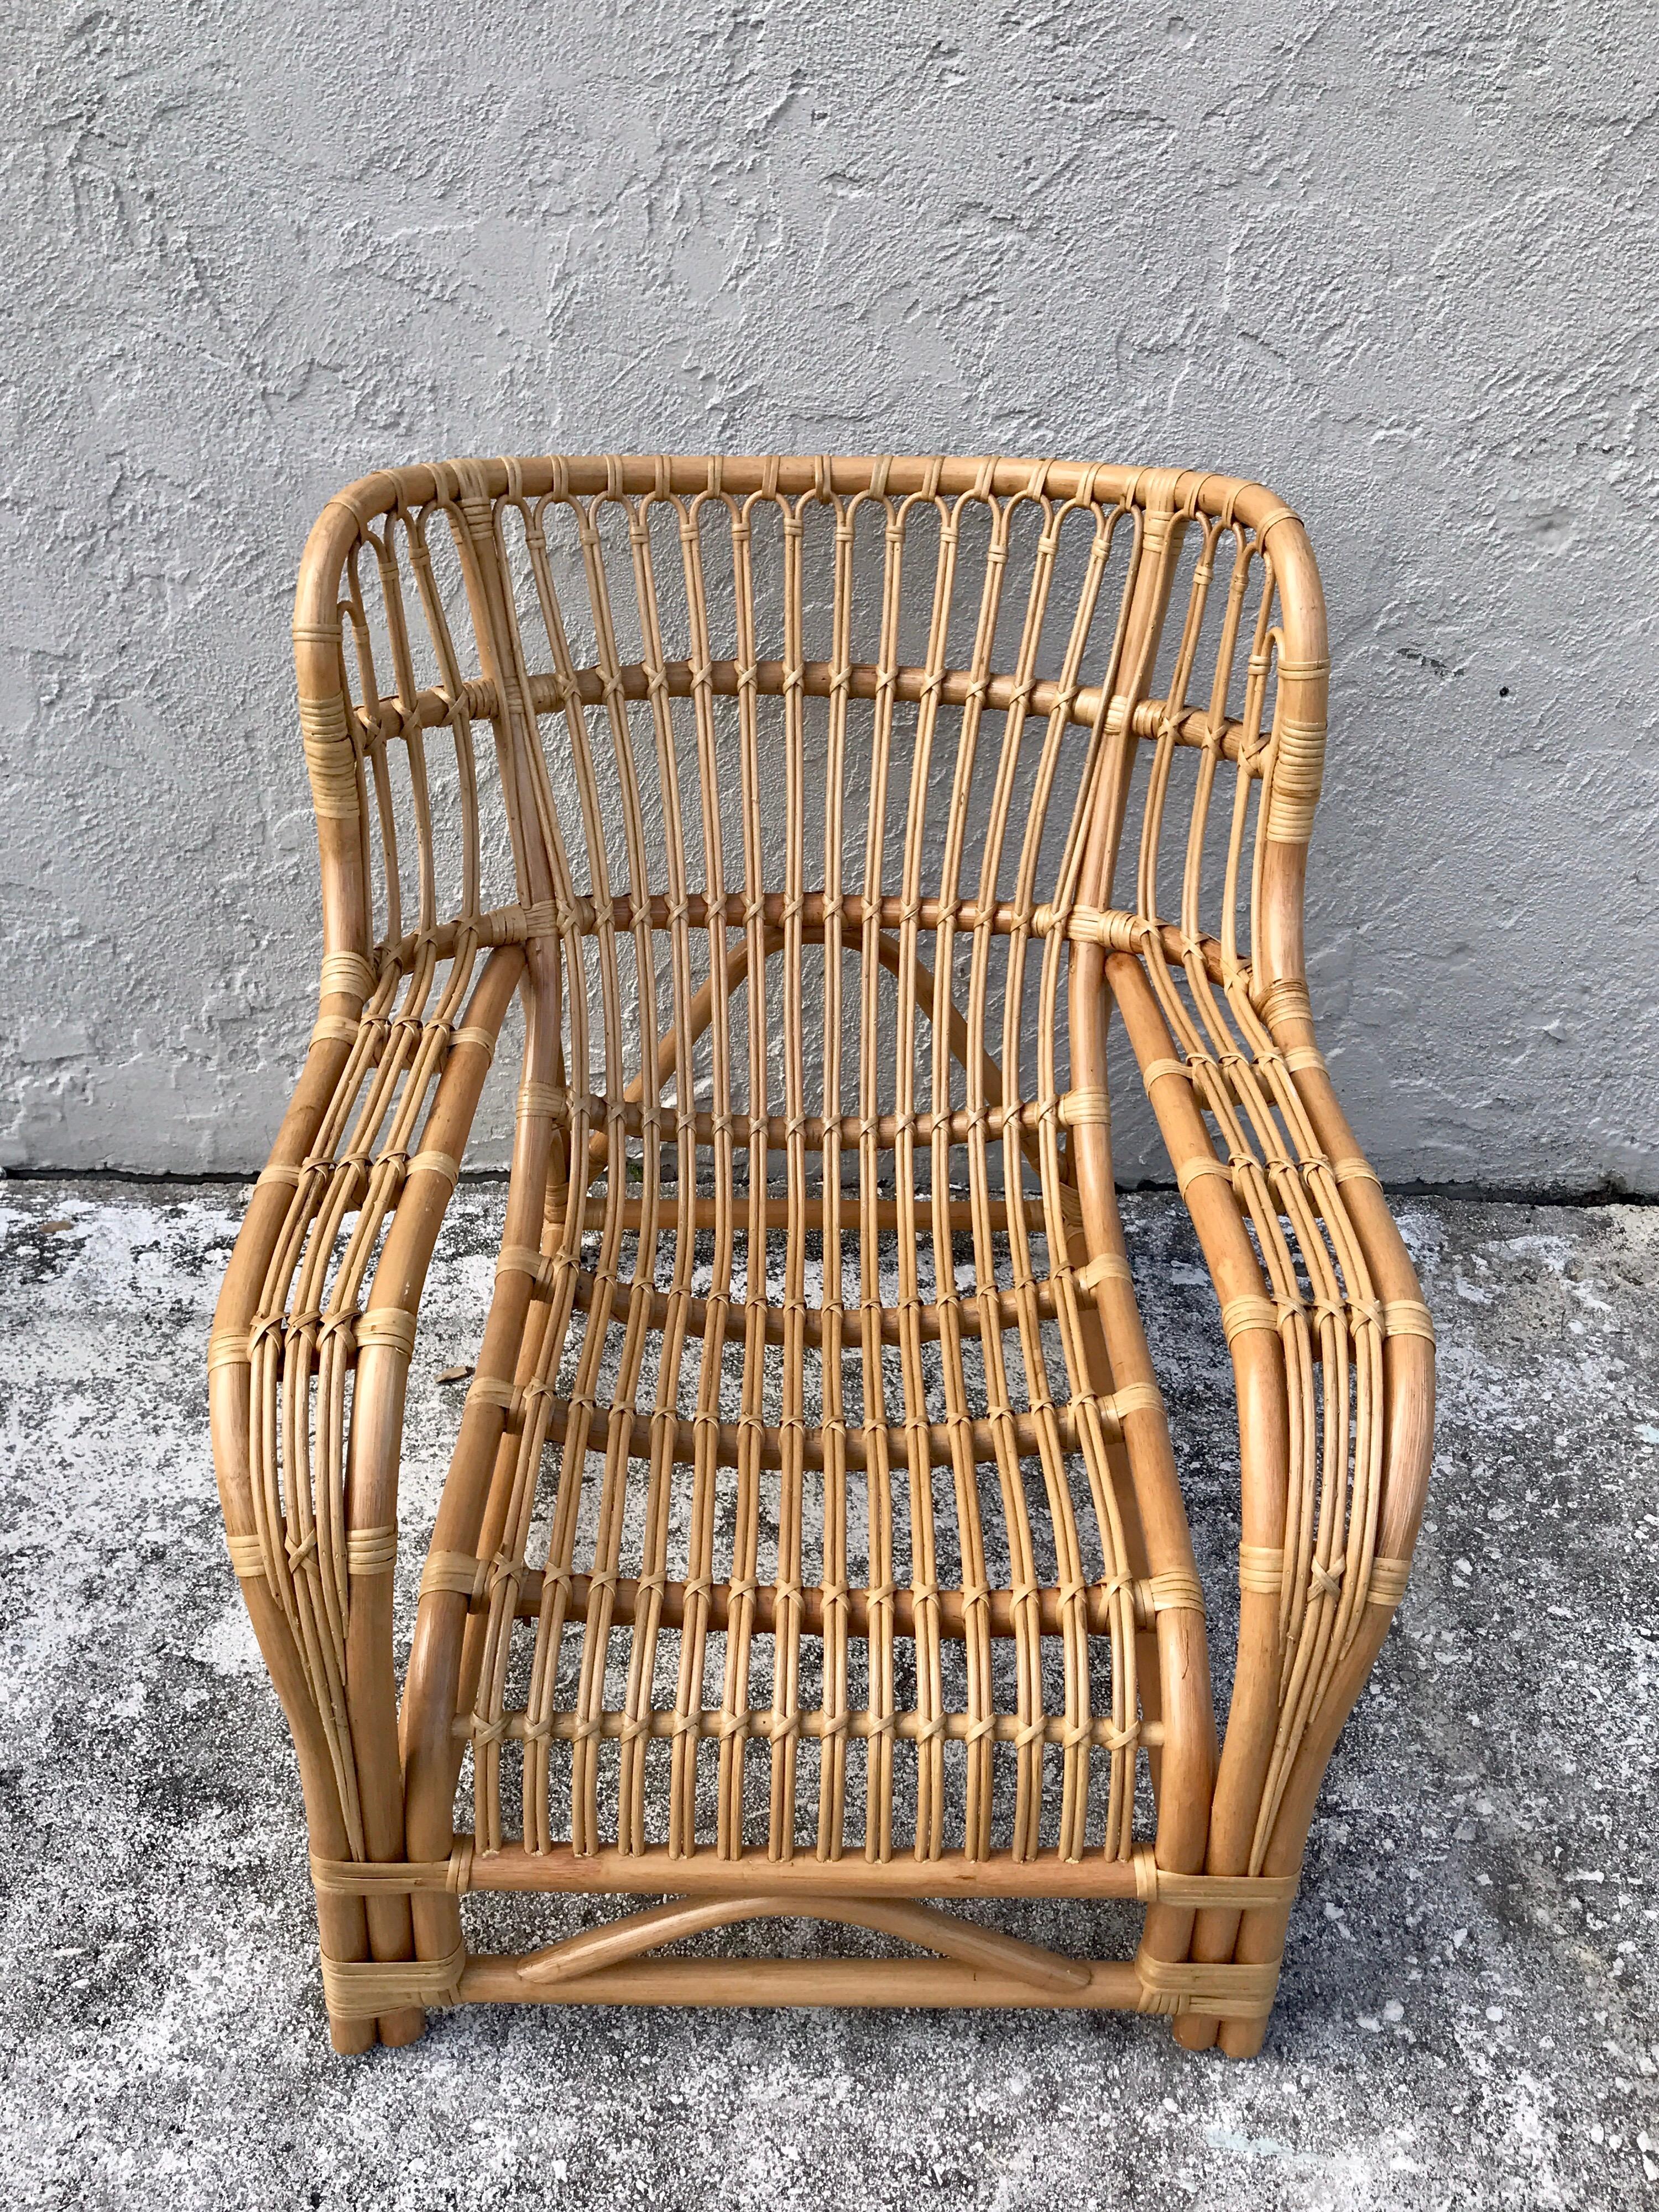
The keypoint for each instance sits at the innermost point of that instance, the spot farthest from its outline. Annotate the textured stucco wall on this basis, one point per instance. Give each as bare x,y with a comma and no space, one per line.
1399,261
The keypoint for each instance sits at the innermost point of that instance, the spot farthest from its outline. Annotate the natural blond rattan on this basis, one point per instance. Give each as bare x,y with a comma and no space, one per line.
812,1543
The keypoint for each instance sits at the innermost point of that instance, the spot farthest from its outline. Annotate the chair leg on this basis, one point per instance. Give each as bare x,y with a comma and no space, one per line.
346,1928
1171,1650
342,1933
408,2026
390,1936
1193,2031
437,1926
1241,2039
351,2037
1263,1937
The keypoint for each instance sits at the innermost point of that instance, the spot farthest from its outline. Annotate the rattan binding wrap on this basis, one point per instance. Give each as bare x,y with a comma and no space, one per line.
813,1541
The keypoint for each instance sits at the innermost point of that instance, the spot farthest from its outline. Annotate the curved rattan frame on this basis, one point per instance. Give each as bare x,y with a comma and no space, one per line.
1330,1345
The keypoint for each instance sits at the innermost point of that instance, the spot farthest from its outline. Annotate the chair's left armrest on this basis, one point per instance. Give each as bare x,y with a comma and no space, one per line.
309,1355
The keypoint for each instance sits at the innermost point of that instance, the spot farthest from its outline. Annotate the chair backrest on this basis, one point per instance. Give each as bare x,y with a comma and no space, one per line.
770,716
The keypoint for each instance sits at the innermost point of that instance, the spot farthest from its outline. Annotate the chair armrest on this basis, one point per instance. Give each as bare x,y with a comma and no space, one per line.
1331,1350
324,1284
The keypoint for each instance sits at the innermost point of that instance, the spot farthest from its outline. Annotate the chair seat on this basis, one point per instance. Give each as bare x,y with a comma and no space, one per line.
854,1563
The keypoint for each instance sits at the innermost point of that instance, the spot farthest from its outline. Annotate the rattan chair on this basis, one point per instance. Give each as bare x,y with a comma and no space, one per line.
812,1543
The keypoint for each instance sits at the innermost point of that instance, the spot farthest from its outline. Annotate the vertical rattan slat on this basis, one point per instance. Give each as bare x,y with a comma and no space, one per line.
837,807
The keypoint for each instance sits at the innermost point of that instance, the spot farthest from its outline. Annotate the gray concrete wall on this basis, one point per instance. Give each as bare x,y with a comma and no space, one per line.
1399,261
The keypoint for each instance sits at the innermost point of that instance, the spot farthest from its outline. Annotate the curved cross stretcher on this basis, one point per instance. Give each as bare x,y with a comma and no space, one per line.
812,1543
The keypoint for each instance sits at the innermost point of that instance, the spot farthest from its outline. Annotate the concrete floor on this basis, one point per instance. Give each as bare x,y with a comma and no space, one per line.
1468,2015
